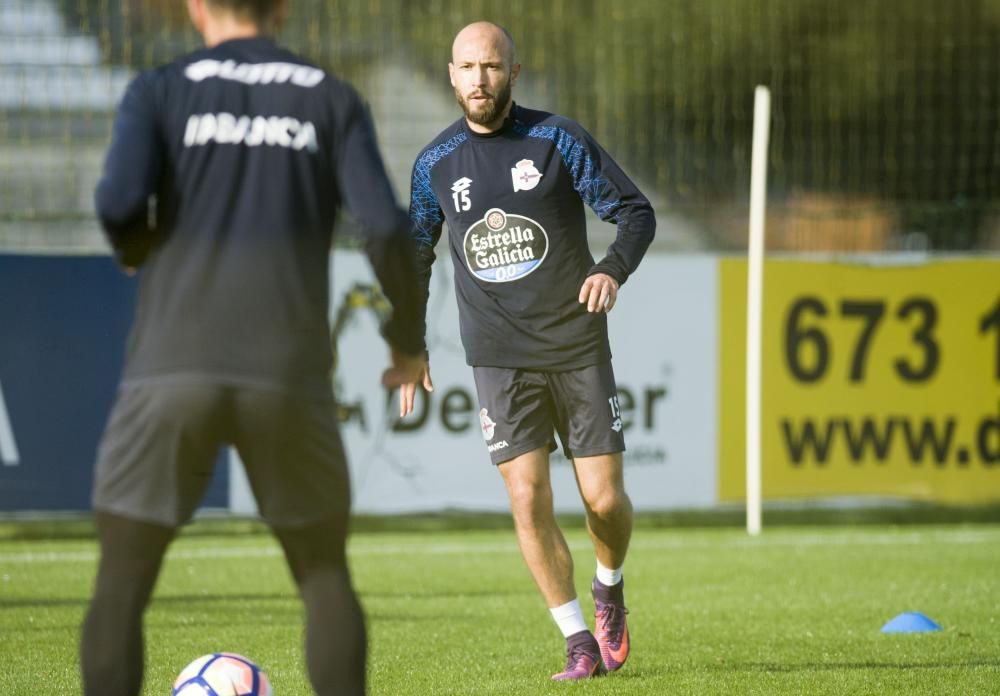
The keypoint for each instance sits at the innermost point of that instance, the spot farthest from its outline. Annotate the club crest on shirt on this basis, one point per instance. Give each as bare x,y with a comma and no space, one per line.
487,424
525,175
503,247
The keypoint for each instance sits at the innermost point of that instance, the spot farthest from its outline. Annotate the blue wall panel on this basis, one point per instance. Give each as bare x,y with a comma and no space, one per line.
63,326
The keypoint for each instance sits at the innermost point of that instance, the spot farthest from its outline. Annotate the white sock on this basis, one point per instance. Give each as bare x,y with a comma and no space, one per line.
569,618
608,576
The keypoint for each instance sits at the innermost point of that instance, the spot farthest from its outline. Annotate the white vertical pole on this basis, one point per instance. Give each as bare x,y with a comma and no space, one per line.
755,291
241,500
8,445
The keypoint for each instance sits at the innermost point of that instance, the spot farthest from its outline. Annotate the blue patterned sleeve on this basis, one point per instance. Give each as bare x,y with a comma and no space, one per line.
604,187
426,215
426,219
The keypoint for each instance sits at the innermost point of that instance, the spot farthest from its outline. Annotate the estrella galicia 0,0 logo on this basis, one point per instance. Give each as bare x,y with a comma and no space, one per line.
503,247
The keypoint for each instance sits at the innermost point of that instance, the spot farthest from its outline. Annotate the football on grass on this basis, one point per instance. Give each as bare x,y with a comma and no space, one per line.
222,674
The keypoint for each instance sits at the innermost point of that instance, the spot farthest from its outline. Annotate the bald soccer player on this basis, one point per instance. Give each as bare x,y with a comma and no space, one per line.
511,184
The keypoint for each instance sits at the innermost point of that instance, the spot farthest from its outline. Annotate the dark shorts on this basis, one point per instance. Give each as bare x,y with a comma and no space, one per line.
162,440
521,410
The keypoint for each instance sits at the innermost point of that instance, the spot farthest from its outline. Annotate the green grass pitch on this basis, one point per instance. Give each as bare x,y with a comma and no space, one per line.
796,611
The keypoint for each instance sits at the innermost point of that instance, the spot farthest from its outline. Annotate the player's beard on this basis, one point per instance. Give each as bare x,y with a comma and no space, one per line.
490,109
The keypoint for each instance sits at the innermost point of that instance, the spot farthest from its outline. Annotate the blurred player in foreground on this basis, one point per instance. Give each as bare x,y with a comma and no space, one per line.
511,183
249,151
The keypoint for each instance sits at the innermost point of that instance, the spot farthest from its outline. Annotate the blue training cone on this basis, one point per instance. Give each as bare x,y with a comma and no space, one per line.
910,622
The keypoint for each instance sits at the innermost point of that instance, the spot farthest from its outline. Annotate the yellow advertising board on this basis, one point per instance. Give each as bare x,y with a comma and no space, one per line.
878,380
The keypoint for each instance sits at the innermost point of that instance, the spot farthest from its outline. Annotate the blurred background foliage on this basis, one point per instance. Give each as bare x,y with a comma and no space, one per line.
885,127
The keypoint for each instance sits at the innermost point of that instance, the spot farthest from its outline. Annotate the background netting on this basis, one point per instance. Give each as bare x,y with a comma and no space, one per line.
886,115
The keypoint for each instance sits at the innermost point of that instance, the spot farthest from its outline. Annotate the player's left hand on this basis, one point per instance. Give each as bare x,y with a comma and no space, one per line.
599,293
407,373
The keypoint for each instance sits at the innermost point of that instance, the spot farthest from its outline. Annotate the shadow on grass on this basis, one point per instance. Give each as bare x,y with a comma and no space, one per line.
290,602
26,526
167,599
442,594
201,598
638,673
990,661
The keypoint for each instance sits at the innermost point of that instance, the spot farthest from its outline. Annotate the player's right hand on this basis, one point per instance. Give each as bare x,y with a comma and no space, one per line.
407,372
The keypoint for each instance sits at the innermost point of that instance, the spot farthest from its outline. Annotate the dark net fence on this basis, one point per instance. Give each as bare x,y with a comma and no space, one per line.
886,115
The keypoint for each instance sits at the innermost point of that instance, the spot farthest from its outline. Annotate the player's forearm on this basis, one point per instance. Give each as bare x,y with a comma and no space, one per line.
393,261
425,260
131,174
124,217
635,234
390,248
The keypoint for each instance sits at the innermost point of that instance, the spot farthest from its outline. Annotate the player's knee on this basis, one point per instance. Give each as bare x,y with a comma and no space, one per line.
608,504
530,496
320,546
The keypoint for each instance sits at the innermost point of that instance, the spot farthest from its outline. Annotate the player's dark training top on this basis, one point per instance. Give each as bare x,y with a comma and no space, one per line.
513,201
249,152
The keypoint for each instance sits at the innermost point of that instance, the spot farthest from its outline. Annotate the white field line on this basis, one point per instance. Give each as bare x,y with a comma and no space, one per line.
369,547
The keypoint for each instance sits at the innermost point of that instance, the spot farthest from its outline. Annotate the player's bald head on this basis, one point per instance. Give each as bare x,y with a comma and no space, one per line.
485,33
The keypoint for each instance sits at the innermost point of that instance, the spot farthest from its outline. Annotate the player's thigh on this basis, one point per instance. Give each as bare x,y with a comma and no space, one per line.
158,451
291,447
587,414
515,411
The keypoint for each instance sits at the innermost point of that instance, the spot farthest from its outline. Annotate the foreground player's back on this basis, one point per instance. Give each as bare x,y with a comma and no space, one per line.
253,141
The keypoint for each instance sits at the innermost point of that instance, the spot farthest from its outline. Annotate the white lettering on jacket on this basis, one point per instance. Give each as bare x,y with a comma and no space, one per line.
255,73
227,129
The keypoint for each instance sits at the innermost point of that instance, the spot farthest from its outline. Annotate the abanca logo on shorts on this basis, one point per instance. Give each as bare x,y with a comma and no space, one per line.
503,247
